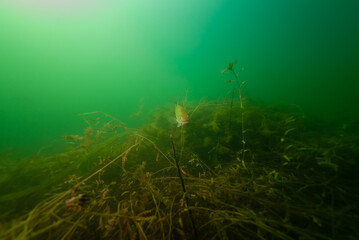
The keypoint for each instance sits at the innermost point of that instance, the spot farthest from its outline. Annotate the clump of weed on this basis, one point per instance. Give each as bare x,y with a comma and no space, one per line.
117,182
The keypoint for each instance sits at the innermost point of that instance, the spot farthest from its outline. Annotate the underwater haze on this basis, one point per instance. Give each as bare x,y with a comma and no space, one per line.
62,58
180,119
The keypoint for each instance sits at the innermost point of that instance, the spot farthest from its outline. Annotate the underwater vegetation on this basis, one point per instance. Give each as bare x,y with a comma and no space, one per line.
232,169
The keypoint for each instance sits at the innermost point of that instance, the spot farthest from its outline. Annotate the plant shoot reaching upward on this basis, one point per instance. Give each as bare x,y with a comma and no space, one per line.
231,69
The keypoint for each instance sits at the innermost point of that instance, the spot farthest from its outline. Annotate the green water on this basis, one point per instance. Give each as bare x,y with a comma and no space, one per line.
286,161
59,60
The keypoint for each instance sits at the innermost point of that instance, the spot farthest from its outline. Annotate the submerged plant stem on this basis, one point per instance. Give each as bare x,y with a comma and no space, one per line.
230,112
242,112
184,189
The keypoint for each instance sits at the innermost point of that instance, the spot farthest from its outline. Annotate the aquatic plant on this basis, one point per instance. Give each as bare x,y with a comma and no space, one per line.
184,188
231,69
125,183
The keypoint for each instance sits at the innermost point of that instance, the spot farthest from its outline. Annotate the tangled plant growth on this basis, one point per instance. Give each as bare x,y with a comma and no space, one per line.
118,183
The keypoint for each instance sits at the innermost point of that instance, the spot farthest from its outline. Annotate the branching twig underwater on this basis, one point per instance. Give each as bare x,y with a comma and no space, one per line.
116,182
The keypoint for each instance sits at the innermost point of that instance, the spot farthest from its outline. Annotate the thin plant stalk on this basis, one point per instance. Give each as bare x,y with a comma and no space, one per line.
184,189
242,111
230,112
